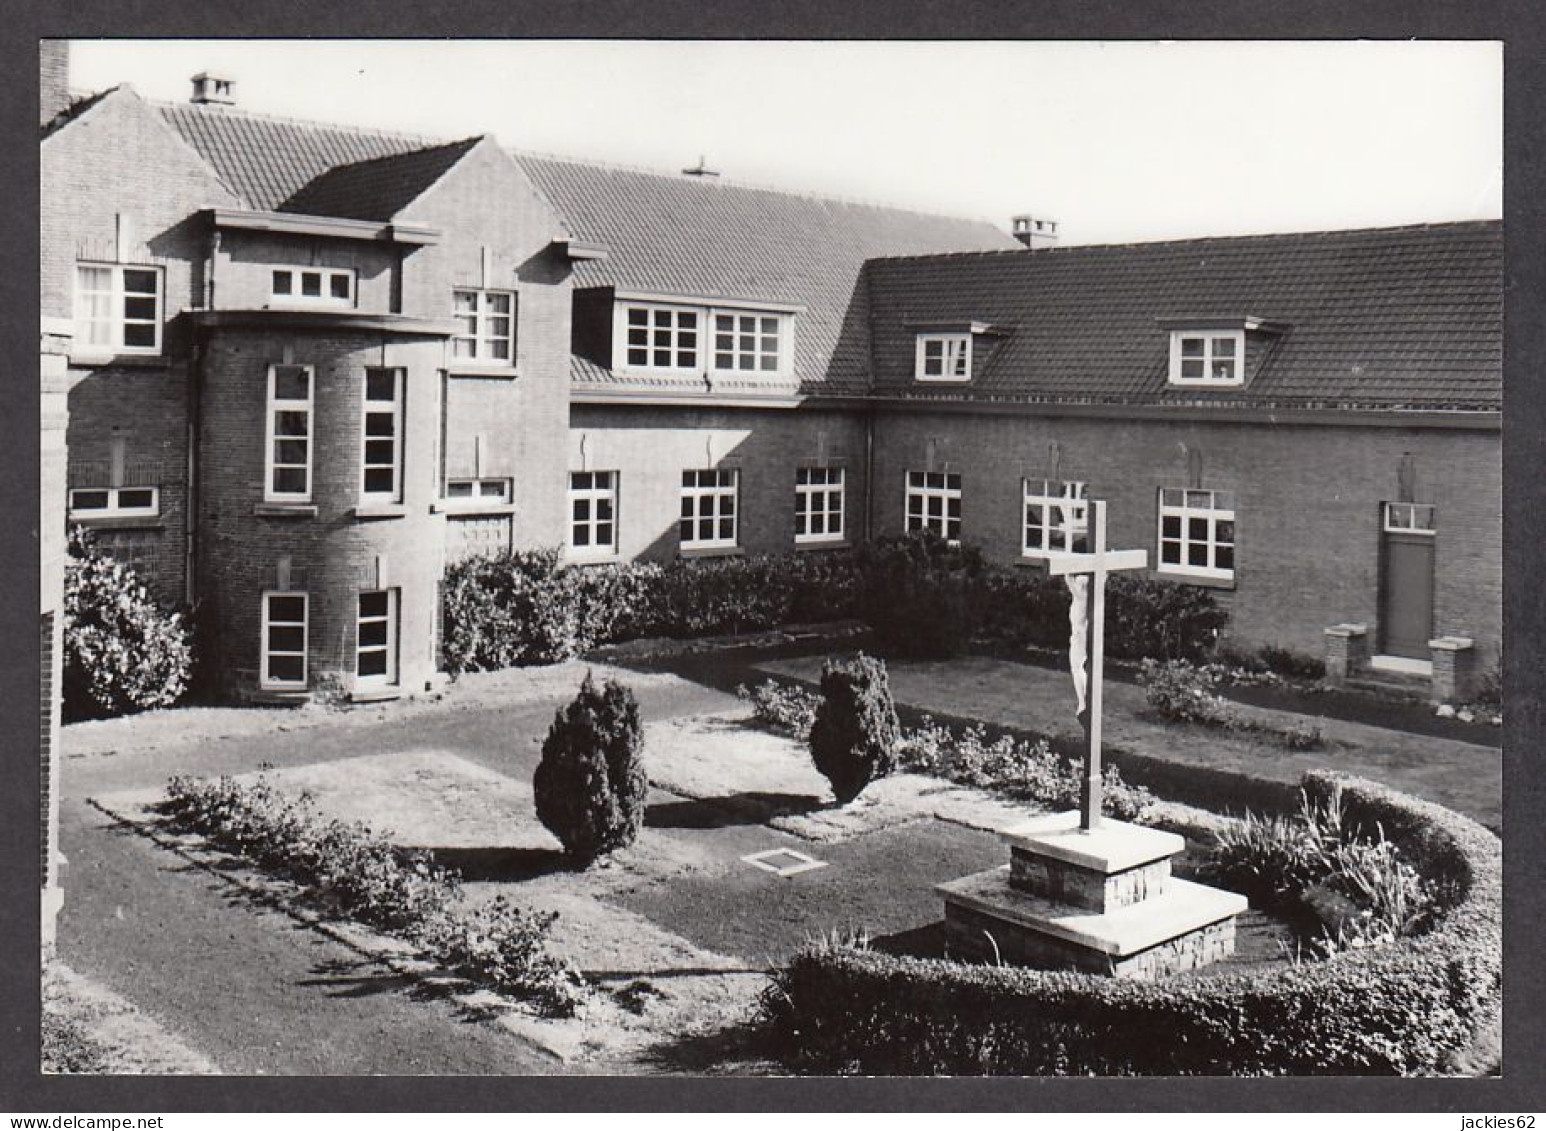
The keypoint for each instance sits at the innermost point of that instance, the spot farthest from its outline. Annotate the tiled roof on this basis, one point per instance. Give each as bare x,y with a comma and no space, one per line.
1396,317
377,189
267,160
694,237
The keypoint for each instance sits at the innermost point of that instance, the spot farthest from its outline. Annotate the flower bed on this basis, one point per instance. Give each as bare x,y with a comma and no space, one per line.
1011,767
359,874
1399,1009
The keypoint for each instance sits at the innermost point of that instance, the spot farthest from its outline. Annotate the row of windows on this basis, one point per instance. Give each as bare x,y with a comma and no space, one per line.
688,338
710,510
1196,357
290,442
1196,528
286,630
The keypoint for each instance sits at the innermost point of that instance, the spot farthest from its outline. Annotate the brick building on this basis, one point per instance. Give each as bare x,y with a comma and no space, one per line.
312,364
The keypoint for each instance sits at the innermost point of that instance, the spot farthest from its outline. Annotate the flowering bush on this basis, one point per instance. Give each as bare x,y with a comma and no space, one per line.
122,652
786,708
358,873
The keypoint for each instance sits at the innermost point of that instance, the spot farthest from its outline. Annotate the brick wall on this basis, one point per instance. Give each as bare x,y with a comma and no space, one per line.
650,447
243,274
1307,500
333,555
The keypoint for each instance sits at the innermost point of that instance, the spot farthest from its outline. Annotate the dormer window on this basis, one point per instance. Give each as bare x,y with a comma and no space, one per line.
944,357
311,286
1207,358
708,340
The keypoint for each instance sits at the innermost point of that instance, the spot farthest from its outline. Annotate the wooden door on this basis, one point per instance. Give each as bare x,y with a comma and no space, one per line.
1406,581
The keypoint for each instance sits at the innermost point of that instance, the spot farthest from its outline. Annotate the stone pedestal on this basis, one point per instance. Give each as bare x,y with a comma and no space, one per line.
1102,901
1347,652
1454,669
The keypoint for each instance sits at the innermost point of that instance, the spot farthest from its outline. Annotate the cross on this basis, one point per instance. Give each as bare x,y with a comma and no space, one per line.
1095,565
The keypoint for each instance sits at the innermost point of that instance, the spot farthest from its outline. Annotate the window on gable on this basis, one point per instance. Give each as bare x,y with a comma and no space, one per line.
660,337
311,286
943,357
1057,519
1206,358
486,326
934,503
1196,533
118,308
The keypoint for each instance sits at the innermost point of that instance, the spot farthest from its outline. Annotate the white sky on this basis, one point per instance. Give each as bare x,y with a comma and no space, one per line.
1116,141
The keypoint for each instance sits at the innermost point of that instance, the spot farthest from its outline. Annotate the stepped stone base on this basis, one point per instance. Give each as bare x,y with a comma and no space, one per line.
1101,901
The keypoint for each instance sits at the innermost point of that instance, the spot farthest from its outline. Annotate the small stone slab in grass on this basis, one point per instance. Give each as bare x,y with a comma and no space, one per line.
882,883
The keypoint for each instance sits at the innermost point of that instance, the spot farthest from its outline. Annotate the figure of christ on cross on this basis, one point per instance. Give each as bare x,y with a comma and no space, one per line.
1086,577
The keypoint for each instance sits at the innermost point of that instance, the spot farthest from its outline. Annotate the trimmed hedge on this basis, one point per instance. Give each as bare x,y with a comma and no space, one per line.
1398,1009
921,596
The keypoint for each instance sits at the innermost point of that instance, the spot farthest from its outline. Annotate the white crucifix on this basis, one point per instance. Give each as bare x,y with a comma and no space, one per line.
1086,577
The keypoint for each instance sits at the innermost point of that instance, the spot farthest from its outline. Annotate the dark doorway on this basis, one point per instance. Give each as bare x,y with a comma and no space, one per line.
1406,580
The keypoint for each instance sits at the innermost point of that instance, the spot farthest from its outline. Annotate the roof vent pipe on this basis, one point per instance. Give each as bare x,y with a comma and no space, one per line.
210,89
1033,232
700,170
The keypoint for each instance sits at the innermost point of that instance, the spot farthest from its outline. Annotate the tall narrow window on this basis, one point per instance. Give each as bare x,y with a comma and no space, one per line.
708,508
1196,533
934,503
818,504
376,644
284,641
382,454
593,512
1056,518
287,477
118,309
486,321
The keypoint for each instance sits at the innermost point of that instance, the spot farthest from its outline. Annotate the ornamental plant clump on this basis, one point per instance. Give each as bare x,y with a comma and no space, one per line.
855,735
122,651
590,785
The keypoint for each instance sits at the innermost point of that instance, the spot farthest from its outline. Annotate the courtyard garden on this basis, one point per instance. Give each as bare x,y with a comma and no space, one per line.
720,855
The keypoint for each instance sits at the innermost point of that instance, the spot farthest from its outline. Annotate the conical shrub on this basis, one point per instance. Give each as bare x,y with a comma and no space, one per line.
590,785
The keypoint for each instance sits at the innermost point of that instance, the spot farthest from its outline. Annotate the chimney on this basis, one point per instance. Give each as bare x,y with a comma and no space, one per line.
700,170
53,79
1033,232
210,89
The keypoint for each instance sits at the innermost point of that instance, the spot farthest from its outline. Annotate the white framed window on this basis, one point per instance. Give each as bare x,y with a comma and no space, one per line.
943,357
748,342
381,436
709,508
284,640
818,504
311,286
593,512
118,308
486,326
656,336
375,649
475,491
1201,357
1409,518
287,471
1057,518
1196,533
114,502
934,503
